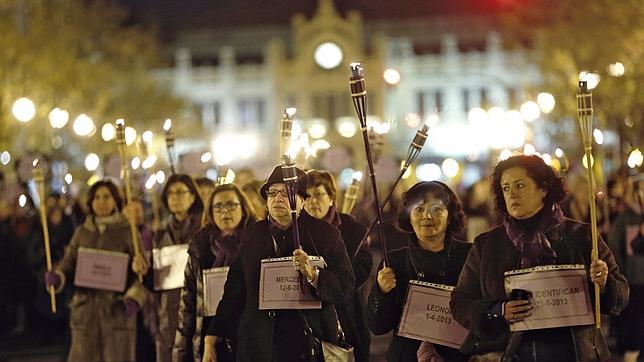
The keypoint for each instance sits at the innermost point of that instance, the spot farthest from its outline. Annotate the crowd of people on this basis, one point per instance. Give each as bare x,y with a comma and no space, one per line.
521,217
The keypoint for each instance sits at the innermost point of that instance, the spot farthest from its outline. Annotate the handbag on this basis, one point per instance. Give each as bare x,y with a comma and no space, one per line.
322,350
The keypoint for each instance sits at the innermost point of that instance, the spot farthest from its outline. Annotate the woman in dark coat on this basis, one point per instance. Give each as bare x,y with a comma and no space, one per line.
278,335
181,197
534,232
228,214
432,215
102,322
321,205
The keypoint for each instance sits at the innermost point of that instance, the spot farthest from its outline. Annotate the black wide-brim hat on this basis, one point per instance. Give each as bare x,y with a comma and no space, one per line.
277,177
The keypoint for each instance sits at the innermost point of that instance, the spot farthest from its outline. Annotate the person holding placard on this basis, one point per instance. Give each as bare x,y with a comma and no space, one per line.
534,233
180,196
321,205
277,334
432,216
108,293
215,245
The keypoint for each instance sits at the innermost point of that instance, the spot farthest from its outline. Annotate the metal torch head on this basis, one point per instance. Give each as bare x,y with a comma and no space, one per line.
120,131
36,172
419,139
286,128
585,112
356,80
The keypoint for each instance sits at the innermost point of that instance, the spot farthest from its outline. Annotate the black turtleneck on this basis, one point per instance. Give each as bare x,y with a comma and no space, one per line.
530,224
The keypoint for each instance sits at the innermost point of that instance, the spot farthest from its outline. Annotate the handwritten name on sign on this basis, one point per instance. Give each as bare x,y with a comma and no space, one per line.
427,317
559,295
283,287
214,280
169,264
101,269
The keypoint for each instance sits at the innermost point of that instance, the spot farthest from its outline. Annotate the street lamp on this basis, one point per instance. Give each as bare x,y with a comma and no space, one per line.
58,118
91,162
23,109
530,111
546,102
84,126
5,157
108,132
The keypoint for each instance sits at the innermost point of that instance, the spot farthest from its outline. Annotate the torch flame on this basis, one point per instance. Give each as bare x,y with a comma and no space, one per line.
167,125
290,111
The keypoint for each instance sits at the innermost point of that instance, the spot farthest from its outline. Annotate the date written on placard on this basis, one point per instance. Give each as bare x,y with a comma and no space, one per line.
289,283
543,298
439,314
101,270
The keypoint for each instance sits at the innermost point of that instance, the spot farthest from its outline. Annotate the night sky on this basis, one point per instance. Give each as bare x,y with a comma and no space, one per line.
172,16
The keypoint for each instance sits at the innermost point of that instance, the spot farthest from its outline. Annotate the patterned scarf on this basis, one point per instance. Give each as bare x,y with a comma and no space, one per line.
225,248
533,245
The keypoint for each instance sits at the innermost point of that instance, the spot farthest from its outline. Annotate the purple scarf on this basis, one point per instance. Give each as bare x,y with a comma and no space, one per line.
534,246
225,248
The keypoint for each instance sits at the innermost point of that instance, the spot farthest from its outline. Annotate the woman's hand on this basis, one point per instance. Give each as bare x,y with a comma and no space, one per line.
517,310
209,350
301,263
139,265
386,279
599,272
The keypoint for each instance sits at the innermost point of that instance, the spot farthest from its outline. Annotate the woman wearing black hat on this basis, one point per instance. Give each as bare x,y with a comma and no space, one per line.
432,215
278,335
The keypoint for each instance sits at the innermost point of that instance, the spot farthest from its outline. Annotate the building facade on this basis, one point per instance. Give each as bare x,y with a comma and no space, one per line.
240,80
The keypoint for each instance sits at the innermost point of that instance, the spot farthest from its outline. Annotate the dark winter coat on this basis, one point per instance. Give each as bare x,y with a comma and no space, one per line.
385,310
351,312
277,335
188,342
481,285
100,330
167,301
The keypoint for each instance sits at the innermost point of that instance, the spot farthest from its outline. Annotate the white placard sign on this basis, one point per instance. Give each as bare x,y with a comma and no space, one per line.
427,317
101,269
283,287
559,295
214,280
169,263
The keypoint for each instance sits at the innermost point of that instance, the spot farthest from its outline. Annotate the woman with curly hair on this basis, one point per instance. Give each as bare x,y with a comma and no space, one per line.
534,232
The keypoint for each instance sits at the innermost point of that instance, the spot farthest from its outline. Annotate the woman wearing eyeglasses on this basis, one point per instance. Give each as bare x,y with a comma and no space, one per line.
180,196
432,215
228,214
321,205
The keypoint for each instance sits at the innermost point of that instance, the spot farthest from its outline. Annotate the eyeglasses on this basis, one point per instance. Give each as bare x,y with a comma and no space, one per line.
228,206
318,195
433,209
178,193
274,193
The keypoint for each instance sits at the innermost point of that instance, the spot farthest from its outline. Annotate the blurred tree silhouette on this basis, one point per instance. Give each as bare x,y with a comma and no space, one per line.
81,56
567,37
